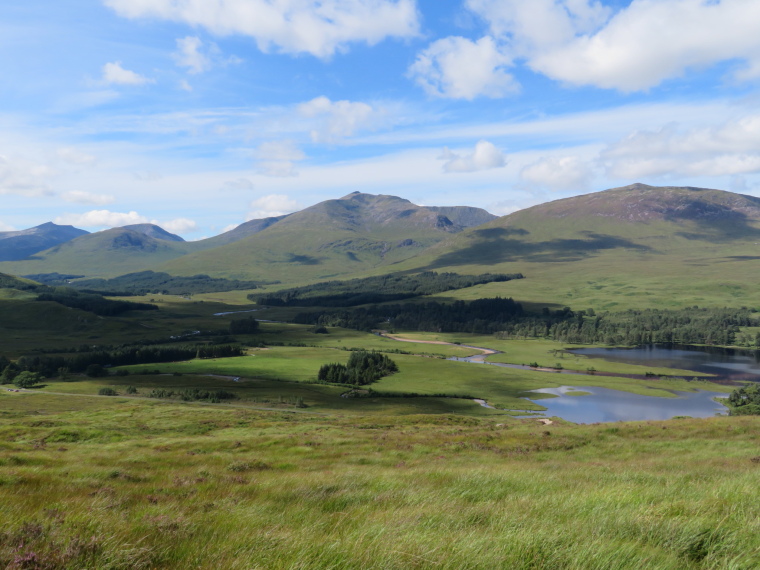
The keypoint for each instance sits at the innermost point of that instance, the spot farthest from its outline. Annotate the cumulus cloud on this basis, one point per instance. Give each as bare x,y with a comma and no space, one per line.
730,148
74,156
189,54
24,178
178,226
109,219
101,219
582,42
317,27
278,158
81,197
338,119
197,56
558,173
484,157
114,73
271,206
459,68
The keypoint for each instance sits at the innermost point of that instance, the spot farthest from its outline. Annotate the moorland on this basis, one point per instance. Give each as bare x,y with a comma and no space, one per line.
247,402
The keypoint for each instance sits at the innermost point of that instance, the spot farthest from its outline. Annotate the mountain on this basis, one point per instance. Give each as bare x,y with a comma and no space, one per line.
359,232
356,233
242,231
153,231
103,254
24,243
635,246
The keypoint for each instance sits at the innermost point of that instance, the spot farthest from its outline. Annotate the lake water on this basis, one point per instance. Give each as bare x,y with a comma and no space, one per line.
605,405
723,363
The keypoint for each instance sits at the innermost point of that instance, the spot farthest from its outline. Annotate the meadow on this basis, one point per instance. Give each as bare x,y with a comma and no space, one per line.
111,482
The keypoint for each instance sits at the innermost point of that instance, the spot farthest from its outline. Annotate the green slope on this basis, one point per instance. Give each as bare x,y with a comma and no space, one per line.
354,234
637,246
102,254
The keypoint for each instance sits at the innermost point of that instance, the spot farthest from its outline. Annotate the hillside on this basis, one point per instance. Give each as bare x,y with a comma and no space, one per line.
153,231
635,246
24,243
354,234
102,254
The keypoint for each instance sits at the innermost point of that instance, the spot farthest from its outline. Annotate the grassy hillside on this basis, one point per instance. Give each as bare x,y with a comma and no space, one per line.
96,482
631,247
102,254
338,237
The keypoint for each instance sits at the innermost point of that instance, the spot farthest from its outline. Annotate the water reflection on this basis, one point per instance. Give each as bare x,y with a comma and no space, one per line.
724,363
605,405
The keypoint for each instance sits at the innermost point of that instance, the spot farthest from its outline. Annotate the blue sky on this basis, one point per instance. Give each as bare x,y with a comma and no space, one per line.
201,114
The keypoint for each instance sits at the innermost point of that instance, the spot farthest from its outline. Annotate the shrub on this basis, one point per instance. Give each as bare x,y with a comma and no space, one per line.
27,379
107,392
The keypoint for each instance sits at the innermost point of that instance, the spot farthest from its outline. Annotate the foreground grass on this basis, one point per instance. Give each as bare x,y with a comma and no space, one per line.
143,484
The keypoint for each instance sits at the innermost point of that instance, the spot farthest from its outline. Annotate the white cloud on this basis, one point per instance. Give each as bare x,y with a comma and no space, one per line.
730,148
185,86
74,156
581,42
81,197
178,226
558,173
340,119
102,219
278,158
189,55
272,206
484,157
114,73
6,228
24,177
318,27
459,68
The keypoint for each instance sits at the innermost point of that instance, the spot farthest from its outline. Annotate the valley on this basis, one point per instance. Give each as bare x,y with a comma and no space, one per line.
175,389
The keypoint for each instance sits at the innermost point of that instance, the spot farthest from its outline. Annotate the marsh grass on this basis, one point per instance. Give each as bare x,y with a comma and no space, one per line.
138,485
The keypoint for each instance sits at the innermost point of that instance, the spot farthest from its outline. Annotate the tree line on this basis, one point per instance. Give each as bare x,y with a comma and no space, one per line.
51,365
146,282
380,289
506,319
483,316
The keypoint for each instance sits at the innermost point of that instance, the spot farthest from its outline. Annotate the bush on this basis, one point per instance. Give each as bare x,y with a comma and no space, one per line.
107,392
131,390
27,379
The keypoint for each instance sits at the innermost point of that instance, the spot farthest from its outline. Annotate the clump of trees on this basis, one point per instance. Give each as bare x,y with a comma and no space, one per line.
745,401
483,316
363,368
379,289
244,326
92,302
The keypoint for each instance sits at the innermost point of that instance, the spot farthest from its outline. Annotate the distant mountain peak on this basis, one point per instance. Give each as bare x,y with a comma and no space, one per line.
153,231
21,244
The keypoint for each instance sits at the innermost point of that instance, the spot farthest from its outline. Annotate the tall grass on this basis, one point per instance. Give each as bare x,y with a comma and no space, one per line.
148,484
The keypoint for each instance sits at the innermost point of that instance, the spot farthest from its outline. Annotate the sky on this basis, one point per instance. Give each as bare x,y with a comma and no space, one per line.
200,115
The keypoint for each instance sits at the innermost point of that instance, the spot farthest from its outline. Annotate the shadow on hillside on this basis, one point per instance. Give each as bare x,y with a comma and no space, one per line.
721,224
494,246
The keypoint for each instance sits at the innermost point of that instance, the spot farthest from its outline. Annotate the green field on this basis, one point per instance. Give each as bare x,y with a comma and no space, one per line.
104,482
